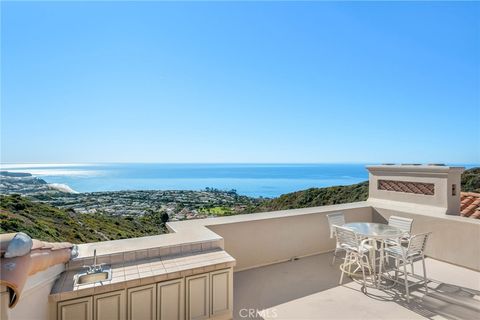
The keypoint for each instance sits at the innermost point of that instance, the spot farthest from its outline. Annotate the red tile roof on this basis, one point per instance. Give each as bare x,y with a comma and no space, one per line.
470,204
26,259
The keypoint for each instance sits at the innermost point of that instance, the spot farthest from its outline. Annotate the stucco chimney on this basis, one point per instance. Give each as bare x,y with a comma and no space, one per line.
430,185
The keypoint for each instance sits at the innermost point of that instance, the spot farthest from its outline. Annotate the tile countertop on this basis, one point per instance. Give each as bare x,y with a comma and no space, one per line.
143,272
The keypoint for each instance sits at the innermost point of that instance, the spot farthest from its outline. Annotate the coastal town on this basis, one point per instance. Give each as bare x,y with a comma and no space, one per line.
178,204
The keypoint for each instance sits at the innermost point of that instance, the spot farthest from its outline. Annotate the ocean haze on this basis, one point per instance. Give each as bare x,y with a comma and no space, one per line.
266,180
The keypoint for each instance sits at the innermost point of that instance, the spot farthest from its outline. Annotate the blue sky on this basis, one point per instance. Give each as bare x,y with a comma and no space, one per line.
240,82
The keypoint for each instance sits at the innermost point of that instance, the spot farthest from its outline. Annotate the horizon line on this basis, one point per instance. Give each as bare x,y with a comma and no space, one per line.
243,163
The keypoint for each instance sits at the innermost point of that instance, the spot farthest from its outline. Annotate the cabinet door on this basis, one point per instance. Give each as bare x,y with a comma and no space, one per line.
197,296
77,309
221,292
141,303
109,306
171,300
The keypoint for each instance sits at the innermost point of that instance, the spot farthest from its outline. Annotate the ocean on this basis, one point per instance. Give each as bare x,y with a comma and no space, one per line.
266,180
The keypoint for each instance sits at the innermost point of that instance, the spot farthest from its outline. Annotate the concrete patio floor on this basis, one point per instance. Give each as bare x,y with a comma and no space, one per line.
308,289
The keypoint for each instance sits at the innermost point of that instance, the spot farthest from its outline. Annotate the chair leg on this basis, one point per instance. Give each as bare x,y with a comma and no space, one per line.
413,271
425,275
347,260
365,265
334,256
341,277
350,264
364,279
406,281
396,269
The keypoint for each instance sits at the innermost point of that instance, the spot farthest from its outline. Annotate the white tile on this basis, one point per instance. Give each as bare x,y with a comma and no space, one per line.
141,254
116,258
129,256
153,253
164,251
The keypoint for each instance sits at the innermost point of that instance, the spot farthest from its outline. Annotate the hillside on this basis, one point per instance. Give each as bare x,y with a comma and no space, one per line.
314,197
471,180
45,222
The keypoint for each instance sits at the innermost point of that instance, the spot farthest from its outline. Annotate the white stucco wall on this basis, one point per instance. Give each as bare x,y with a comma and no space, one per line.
33,303
442,177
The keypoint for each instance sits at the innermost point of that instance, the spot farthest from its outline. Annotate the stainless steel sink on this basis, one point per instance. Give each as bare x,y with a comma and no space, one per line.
94,273
84,278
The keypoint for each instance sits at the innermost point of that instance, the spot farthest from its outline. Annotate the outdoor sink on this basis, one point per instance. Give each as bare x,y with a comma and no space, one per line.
97,276
94,273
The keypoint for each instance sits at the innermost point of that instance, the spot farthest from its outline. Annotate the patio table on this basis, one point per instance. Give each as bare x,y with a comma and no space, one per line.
377,232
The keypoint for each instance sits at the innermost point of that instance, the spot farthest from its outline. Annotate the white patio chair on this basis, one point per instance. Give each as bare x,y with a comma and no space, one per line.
407,255
356,252
404,224
335,219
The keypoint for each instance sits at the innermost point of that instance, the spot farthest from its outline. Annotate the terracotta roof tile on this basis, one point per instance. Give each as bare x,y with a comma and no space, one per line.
470,205
38,256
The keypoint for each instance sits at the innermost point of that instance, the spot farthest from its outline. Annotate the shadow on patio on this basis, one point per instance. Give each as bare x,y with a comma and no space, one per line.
308,289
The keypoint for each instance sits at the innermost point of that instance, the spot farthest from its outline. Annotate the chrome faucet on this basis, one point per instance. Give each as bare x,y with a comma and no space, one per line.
95,267
94,258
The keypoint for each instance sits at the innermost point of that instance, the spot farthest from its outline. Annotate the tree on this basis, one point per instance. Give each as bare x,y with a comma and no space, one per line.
164,217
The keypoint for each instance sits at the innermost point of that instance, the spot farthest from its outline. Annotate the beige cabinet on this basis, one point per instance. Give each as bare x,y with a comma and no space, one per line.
202,296
221,293
209,295
171,300
109,306
142,303
197,296
76,309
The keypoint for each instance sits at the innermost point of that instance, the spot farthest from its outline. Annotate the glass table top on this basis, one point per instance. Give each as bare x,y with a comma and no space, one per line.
374,230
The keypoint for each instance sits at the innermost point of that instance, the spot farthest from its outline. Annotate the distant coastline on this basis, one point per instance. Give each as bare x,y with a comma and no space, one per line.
26,200
254,180
28,181
62,187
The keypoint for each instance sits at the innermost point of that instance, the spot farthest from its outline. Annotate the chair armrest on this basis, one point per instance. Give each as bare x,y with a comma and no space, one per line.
405,236
364,241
